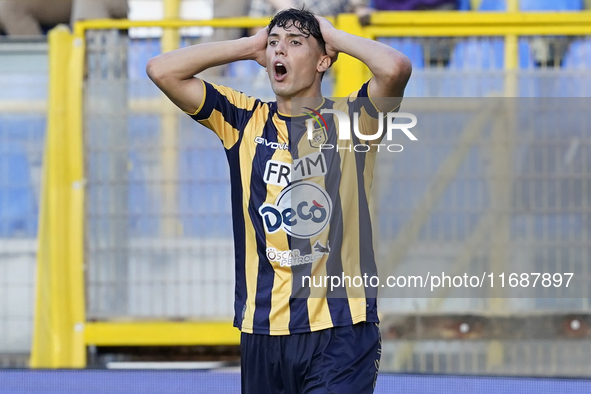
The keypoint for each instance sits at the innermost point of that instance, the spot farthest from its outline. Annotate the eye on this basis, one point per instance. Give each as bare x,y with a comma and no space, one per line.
273,42
296,42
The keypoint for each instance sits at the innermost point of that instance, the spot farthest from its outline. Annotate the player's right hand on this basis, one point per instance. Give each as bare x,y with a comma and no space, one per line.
259,46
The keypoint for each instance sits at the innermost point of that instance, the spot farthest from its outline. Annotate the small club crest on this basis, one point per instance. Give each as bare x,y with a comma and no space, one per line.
319,137
316,135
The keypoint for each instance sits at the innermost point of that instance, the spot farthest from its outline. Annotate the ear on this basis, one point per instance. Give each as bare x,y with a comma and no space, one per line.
324,63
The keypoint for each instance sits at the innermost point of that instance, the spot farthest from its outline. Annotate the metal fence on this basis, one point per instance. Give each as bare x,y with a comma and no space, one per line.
175,257
157,217
23,90
159,241
555,66
492,186
159,223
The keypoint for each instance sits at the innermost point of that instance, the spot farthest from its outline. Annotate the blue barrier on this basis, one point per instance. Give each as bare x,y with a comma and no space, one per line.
208,382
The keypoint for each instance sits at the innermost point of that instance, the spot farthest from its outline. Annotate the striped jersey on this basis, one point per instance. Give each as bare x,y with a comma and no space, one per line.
300,213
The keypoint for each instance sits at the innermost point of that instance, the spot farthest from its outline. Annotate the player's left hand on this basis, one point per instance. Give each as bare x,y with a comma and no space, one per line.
328,31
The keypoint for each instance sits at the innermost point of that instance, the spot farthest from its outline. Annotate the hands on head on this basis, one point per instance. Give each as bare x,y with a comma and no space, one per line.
259,42
327,30
259,46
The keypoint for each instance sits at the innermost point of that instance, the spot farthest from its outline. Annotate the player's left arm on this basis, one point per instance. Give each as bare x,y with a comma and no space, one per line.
390,68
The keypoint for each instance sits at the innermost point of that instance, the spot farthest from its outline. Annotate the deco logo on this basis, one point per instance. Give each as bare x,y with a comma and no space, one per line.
302,210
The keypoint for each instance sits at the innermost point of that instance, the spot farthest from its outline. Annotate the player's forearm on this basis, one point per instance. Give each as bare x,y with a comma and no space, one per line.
390,68
183,64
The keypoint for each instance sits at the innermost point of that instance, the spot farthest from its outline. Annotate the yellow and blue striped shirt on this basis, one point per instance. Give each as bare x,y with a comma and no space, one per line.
271,161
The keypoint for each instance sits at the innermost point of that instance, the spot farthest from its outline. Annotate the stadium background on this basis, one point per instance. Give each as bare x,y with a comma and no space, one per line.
115,237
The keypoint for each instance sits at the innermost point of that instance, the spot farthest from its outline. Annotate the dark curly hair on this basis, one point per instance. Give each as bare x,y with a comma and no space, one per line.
303,20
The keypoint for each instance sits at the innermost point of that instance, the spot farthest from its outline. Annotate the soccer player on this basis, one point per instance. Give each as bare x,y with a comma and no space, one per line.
291,220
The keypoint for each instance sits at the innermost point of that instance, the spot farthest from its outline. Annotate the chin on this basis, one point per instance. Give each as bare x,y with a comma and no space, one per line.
283,91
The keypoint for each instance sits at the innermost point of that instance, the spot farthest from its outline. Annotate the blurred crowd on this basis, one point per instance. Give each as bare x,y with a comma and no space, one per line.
33,17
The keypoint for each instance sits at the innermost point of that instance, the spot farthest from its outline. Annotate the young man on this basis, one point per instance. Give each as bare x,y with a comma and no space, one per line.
288,227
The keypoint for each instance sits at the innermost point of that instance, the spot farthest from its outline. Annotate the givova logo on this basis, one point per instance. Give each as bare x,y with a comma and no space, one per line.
302,210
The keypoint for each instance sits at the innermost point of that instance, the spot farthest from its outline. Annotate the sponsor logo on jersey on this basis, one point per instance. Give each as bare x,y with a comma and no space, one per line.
271,144
282,174
302,210
290,258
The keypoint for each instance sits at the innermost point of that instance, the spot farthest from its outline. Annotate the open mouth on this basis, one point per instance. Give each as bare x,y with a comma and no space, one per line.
280,71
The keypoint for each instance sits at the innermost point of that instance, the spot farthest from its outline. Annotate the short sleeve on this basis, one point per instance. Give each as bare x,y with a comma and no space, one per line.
225,111
361,102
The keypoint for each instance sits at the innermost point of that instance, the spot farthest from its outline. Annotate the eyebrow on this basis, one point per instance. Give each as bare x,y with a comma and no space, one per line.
288,34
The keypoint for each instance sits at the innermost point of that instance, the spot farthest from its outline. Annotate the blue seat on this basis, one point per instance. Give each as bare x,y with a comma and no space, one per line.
139,52
204,188
549,85
534,5
551,5
18,207
575,80
529,75
410,47
474,54
240,75
143,203
475,68
204,193
492,5
414,50
464,5
578,55
478,54
526,58
461,190
246,69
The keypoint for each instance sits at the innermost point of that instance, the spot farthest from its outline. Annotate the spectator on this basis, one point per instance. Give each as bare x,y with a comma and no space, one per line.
99,9
30,17
415,5
229,9
225,9
260,8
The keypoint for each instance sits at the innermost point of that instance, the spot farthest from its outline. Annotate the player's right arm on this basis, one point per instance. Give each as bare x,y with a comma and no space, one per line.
174,72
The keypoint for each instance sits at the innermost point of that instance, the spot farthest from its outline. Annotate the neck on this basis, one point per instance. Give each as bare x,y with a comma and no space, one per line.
313,100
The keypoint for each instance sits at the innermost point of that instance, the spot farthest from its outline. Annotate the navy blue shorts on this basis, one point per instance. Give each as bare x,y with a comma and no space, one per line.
339,360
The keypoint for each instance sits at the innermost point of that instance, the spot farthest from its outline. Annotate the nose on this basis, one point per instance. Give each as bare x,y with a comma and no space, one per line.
280,48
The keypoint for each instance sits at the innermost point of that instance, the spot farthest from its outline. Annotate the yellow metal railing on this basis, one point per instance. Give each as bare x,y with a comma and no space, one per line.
61,331
58,339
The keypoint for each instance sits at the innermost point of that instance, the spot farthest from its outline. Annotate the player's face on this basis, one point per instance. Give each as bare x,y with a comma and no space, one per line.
292,62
